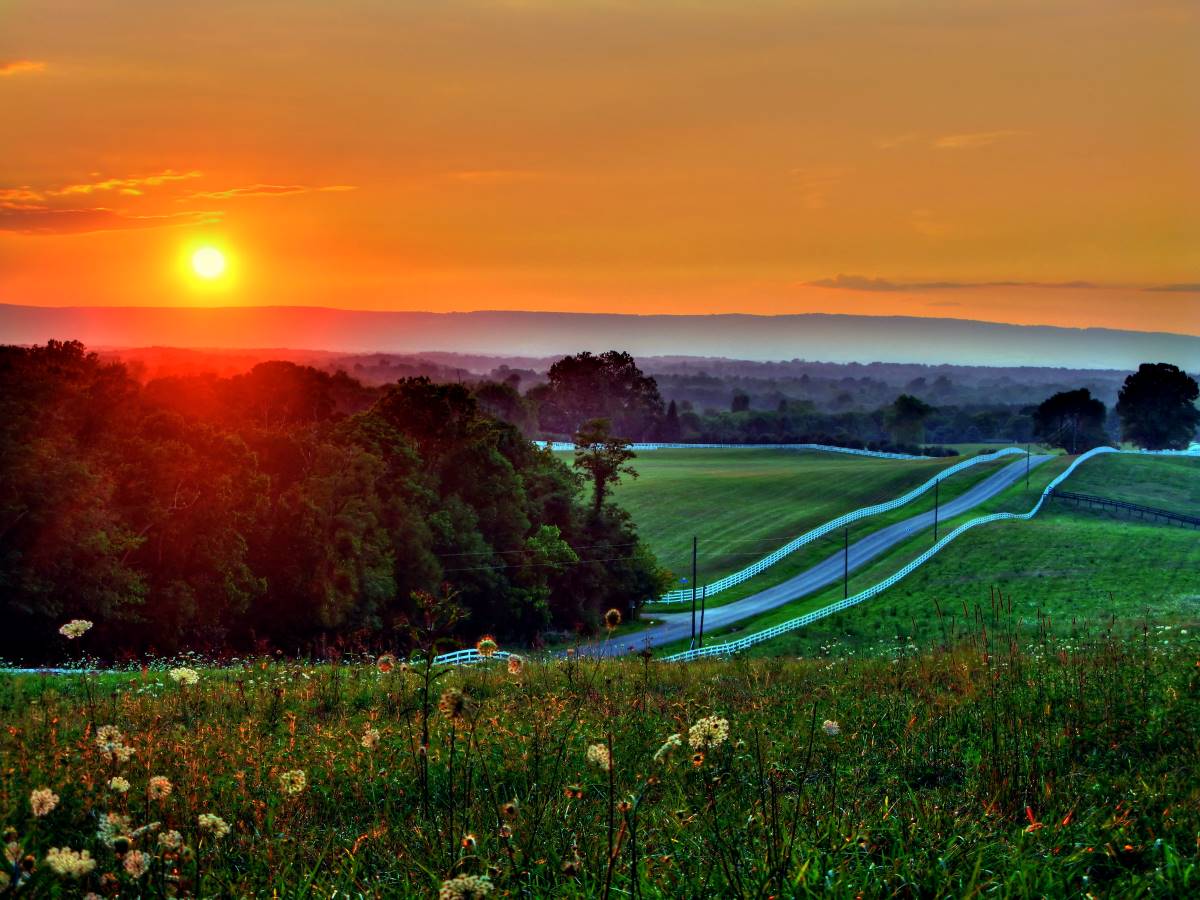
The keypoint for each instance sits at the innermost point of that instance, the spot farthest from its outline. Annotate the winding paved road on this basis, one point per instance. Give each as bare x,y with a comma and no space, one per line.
677,626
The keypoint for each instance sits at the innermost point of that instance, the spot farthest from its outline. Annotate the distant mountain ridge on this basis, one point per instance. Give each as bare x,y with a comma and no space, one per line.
812,336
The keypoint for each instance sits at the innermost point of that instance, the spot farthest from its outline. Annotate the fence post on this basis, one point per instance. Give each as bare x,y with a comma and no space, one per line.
692,643
936,485
845,562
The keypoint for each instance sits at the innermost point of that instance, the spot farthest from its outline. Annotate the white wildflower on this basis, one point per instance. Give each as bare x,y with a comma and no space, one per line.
711,731
184,675
74,629
70,863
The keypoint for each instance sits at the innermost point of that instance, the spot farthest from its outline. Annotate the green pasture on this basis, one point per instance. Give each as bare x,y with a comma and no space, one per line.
1167,482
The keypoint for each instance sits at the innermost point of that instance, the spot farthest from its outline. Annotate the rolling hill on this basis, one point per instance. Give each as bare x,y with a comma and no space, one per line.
834,338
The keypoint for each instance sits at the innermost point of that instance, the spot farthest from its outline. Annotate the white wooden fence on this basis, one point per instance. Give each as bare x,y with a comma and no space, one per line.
468,657
824,448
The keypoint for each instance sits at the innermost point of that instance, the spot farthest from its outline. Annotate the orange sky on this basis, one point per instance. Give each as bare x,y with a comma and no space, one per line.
677,156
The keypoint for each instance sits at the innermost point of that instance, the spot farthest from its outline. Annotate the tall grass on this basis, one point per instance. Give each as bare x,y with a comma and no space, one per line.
990,768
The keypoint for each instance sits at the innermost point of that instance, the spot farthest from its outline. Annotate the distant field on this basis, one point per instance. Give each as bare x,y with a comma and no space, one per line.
743,504
1080,567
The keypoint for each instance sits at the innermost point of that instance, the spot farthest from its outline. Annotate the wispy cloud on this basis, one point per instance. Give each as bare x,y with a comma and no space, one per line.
270,190
131,186
25,209
20,67
1176,288
865,283
973,140
24,219
23,194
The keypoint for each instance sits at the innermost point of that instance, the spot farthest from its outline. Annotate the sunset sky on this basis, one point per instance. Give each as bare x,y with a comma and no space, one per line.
1027,162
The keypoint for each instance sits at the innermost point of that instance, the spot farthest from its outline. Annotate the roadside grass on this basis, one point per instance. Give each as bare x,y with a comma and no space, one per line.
744,504
1003,767
626,629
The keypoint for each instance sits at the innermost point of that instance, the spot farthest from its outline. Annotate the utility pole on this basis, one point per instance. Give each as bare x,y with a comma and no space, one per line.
936,485
846,562
693,641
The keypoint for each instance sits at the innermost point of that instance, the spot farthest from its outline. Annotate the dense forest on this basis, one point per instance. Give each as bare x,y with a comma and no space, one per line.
284,508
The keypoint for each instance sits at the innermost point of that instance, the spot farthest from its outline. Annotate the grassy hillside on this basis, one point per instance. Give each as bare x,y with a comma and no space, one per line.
1170,482
743,504
1079,567
1010,774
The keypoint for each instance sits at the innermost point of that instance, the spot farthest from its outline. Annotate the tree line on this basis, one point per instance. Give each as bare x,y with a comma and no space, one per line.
285,508
1155,409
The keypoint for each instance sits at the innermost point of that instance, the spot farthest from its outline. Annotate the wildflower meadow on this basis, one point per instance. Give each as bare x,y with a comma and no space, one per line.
989,768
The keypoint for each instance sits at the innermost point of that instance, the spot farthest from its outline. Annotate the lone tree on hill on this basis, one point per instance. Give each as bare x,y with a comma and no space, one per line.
1072,420
907,418
1157,406
604,457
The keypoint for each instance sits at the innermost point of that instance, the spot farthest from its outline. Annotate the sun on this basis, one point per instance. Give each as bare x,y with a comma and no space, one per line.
208,263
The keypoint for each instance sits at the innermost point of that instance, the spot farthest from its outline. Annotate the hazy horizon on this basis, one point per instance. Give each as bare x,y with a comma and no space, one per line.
813,336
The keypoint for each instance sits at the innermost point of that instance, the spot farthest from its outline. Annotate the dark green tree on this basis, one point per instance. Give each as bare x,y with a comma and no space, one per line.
1072,420
671,429
906,419
1157,406
604,457
502,400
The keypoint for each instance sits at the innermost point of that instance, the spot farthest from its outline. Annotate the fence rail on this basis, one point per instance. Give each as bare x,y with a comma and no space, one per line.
824,448
683,595
730,647
468,657
1143,511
